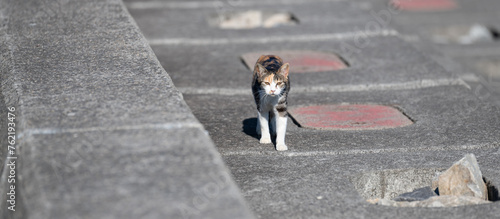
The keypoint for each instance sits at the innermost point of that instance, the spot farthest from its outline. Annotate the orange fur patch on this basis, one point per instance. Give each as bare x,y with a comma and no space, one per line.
269,78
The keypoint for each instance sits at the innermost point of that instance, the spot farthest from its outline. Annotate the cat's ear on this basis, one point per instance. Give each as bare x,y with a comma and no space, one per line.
259,69
284,69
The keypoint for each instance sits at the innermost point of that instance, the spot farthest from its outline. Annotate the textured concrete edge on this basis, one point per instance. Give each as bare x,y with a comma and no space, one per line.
209,142
11,95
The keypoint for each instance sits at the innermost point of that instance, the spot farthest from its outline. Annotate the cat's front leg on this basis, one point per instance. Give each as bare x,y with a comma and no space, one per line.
272,124
258,126
280,133
265,136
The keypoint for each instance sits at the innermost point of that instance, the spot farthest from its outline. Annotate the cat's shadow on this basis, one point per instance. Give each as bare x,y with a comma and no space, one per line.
250,126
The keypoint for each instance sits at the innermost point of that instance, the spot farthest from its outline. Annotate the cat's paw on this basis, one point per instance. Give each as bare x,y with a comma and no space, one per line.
281,147
265,140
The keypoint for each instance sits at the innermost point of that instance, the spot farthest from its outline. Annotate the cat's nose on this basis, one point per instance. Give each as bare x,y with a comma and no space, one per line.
272,91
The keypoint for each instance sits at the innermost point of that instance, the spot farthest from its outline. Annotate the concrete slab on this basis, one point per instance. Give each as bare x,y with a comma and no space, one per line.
487,66
436,36
421,29
446,118
468,13
313,17
379,60
320,176
144,173
281,186
101,130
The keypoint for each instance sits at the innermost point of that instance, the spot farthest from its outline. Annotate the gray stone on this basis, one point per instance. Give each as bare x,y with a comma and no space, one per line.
416,195
464,178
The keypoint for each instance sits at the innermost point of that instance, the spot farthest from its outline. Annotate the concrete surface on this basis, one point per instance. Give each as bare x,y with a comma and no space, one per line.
420,29
324,174
101,130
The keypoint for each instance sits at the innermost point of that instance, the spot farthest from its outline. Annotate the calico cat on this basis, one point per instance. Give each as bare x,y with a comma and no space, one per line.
270,88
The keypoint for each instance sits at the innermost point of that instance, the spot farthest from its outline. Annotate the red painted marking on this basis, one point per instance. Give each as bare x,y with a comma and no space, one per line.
301,61
424,5
351,117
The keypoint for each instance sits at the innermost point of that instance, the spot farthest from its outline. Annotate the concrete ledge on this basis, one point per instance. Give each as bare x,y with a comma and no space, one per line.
101,130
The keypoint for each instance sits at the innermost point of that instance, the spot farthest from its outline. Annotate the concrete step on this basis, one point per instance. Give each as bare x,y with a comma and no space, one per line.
326,173
101,130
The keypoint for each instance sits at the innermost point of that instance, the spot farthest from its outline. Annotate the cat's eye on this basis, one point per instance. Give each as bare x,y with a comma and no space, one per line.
267,83
279,83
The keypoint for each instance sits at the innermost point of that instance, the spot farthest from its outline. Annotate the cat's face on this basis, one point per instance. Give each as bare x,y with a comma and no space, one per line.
272,84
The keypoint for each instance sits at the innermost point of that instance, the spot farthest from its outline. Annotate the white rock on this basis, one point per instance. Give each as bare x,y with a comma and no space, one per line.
464,178
477,33
246,20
